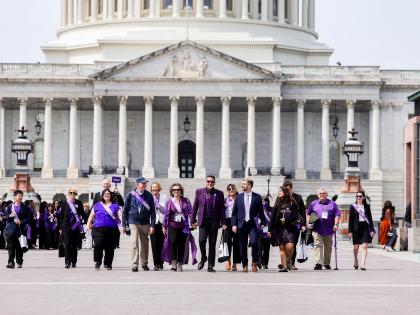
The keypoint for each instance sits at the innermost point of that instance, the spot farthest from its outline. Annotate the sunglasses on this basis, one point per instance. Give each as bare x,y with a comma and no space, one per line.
211,181
231,188
359,196
176,189
72,193
322,193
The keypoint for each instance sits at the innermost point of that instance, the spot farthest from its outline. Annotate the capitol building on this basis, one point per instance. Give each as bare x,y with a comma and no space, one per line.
177,89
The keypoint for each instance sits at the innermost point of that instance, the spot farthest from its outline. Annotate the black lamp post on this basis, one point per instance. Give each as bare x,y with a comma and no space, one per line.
187,125
268,186
353,148
22,146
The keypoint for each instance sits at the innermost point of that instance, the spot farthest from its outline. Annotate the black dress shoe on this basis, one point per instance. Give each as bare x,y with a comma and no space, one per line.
157,268
280,266
67,266
328,267
318,267
135,269
73,265
145,268
19,266
211,269
259,265
108,267
97,266
265,267
363,268
10,265
201,264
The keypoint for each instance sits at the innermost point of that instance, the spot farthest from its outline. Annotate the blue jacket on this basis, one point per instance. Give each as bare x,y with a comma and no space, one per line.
136,213
12,230
256,210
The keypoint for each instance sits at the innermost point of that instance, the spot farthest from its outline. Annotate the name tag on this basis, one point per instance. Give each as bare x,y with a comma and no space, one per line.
324,215
179,217
265,229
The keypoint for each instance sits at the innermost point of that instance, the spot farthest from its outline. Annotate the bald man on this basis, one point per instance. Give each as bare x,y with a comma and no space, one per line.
115,196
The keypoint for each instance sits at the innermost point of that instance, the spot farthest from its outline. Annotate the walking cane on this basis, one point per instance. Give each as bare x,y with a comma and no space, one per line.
335,249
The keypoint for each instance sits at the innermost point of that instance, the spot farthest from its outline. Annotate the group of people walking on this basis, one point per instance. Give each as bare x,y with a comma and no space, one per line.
246,219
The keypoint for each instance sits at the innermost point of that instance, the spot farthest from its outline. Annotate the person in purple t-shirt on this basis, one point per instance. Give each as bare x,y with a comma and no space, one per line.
323,230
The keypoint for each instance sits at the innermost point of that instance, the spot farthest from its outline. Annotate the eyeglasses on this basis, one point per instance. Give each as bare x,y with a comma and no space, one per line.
211,181
176,189
359,196
231,188
72,193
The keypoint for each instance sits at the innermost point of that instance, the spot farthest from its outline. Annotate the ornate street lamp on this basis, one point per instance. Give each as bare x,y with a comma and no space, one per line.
353,148
268,186
22,146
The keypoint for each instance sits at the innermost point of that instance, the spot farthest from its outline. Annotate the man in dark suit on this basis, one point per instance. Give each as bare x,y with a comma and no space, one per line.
247,207
115,195
209,206
18,216
302,212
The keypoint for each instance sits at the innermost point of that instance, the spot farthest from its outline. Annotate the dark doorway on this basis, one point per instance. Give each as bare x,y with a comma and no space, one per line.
186,158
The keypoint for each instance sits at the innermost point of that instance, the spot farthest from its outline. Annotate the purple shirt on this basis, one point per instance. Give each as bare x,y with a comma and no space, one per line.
209,206
327,212
102,218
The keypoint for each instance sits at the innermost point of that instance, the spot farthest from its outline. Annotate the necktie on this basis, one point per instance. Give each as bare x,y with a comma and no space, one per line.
247,206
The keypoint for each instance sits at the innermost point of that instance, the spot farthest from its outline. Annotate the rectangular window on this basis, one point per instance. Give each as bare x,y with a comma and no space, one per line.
146,5
101,7
207,4
167,4
229,5
275,7
286,9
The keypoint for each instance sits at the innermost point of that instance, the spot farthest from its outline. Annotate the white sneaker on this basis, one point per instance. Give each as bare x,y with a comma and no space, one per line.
389,249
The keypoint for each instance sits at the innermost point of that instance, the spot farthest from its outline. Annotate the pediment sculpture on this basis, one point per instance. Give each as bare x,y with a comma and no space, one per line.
185,64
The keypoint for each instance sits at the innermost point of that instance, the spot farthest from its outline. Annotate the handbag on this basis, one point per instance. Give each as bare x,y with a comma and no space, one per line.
223,250
23,243
301,254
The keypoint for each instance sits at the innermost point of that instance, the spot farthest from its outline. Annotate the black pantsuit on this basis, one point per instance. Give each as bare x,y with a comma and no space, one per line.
157,239
208,229
105,239
233,243
178,239
71,241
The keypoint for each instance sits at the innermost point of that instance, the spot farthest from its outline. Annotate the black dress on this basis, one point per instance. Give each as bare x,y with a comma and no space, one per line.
360,229
283,233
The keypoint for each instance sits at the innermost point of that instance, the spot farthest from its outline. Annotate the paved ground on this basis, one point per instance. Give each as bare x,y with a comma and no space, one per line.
43,286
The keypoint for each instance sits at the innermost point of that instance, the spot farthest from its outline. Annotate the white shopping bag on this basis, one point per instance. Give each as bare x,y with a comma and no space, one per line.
223,250
23,243
301,255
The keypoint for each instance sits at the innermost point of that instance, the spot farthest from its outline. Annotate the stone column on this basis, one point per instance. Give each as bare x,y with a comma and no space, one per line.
152,8
350,116
300,171
199,170
276,137
173,170
111,9
199,9
120,13
22,112
70,13
281,14
137,9
325,166
122,136
2,128
176,8
130,9
305,12
80,11
222,9
93,10
148,169
47,170
244,8
251,137
105,10
264,10
225,170
63,9
294,12
375,173
73,169
311,14
97,135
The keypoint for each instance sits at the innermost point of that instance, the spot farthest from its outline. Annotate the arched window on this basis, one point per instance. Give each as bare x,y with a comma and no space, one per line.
334,156
38,161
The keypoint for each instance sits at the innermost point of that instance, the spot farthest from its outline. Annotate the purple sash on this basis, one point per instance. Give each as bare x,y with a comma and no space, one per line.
363,215
16,210
109,211
78,223
141,200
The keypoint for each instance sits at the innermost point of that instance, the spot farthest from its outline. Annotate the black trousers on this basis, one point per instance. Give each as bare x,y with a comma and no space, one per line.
105,239
248,230
71,241
157,239
177,238
14,250
42,241
232,241
263,250
208,229
296,234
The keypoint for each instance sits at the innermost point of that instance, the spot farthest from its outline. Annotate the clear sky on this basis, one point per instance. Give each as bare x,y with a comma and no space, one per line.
362,32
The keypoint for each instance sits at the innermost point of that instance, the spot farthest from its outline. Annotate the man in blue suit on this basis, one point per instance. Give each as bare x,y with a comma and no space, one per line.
247,207
209,207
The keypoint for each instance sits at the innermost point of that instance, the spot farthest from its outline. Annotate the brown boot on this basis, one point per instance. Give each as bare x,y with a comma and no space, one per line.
254,267
228,266
245,269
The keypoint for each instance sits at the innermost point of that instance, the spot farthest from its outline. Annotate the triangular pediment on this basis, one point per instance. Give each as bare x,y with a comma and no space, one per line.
186,60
